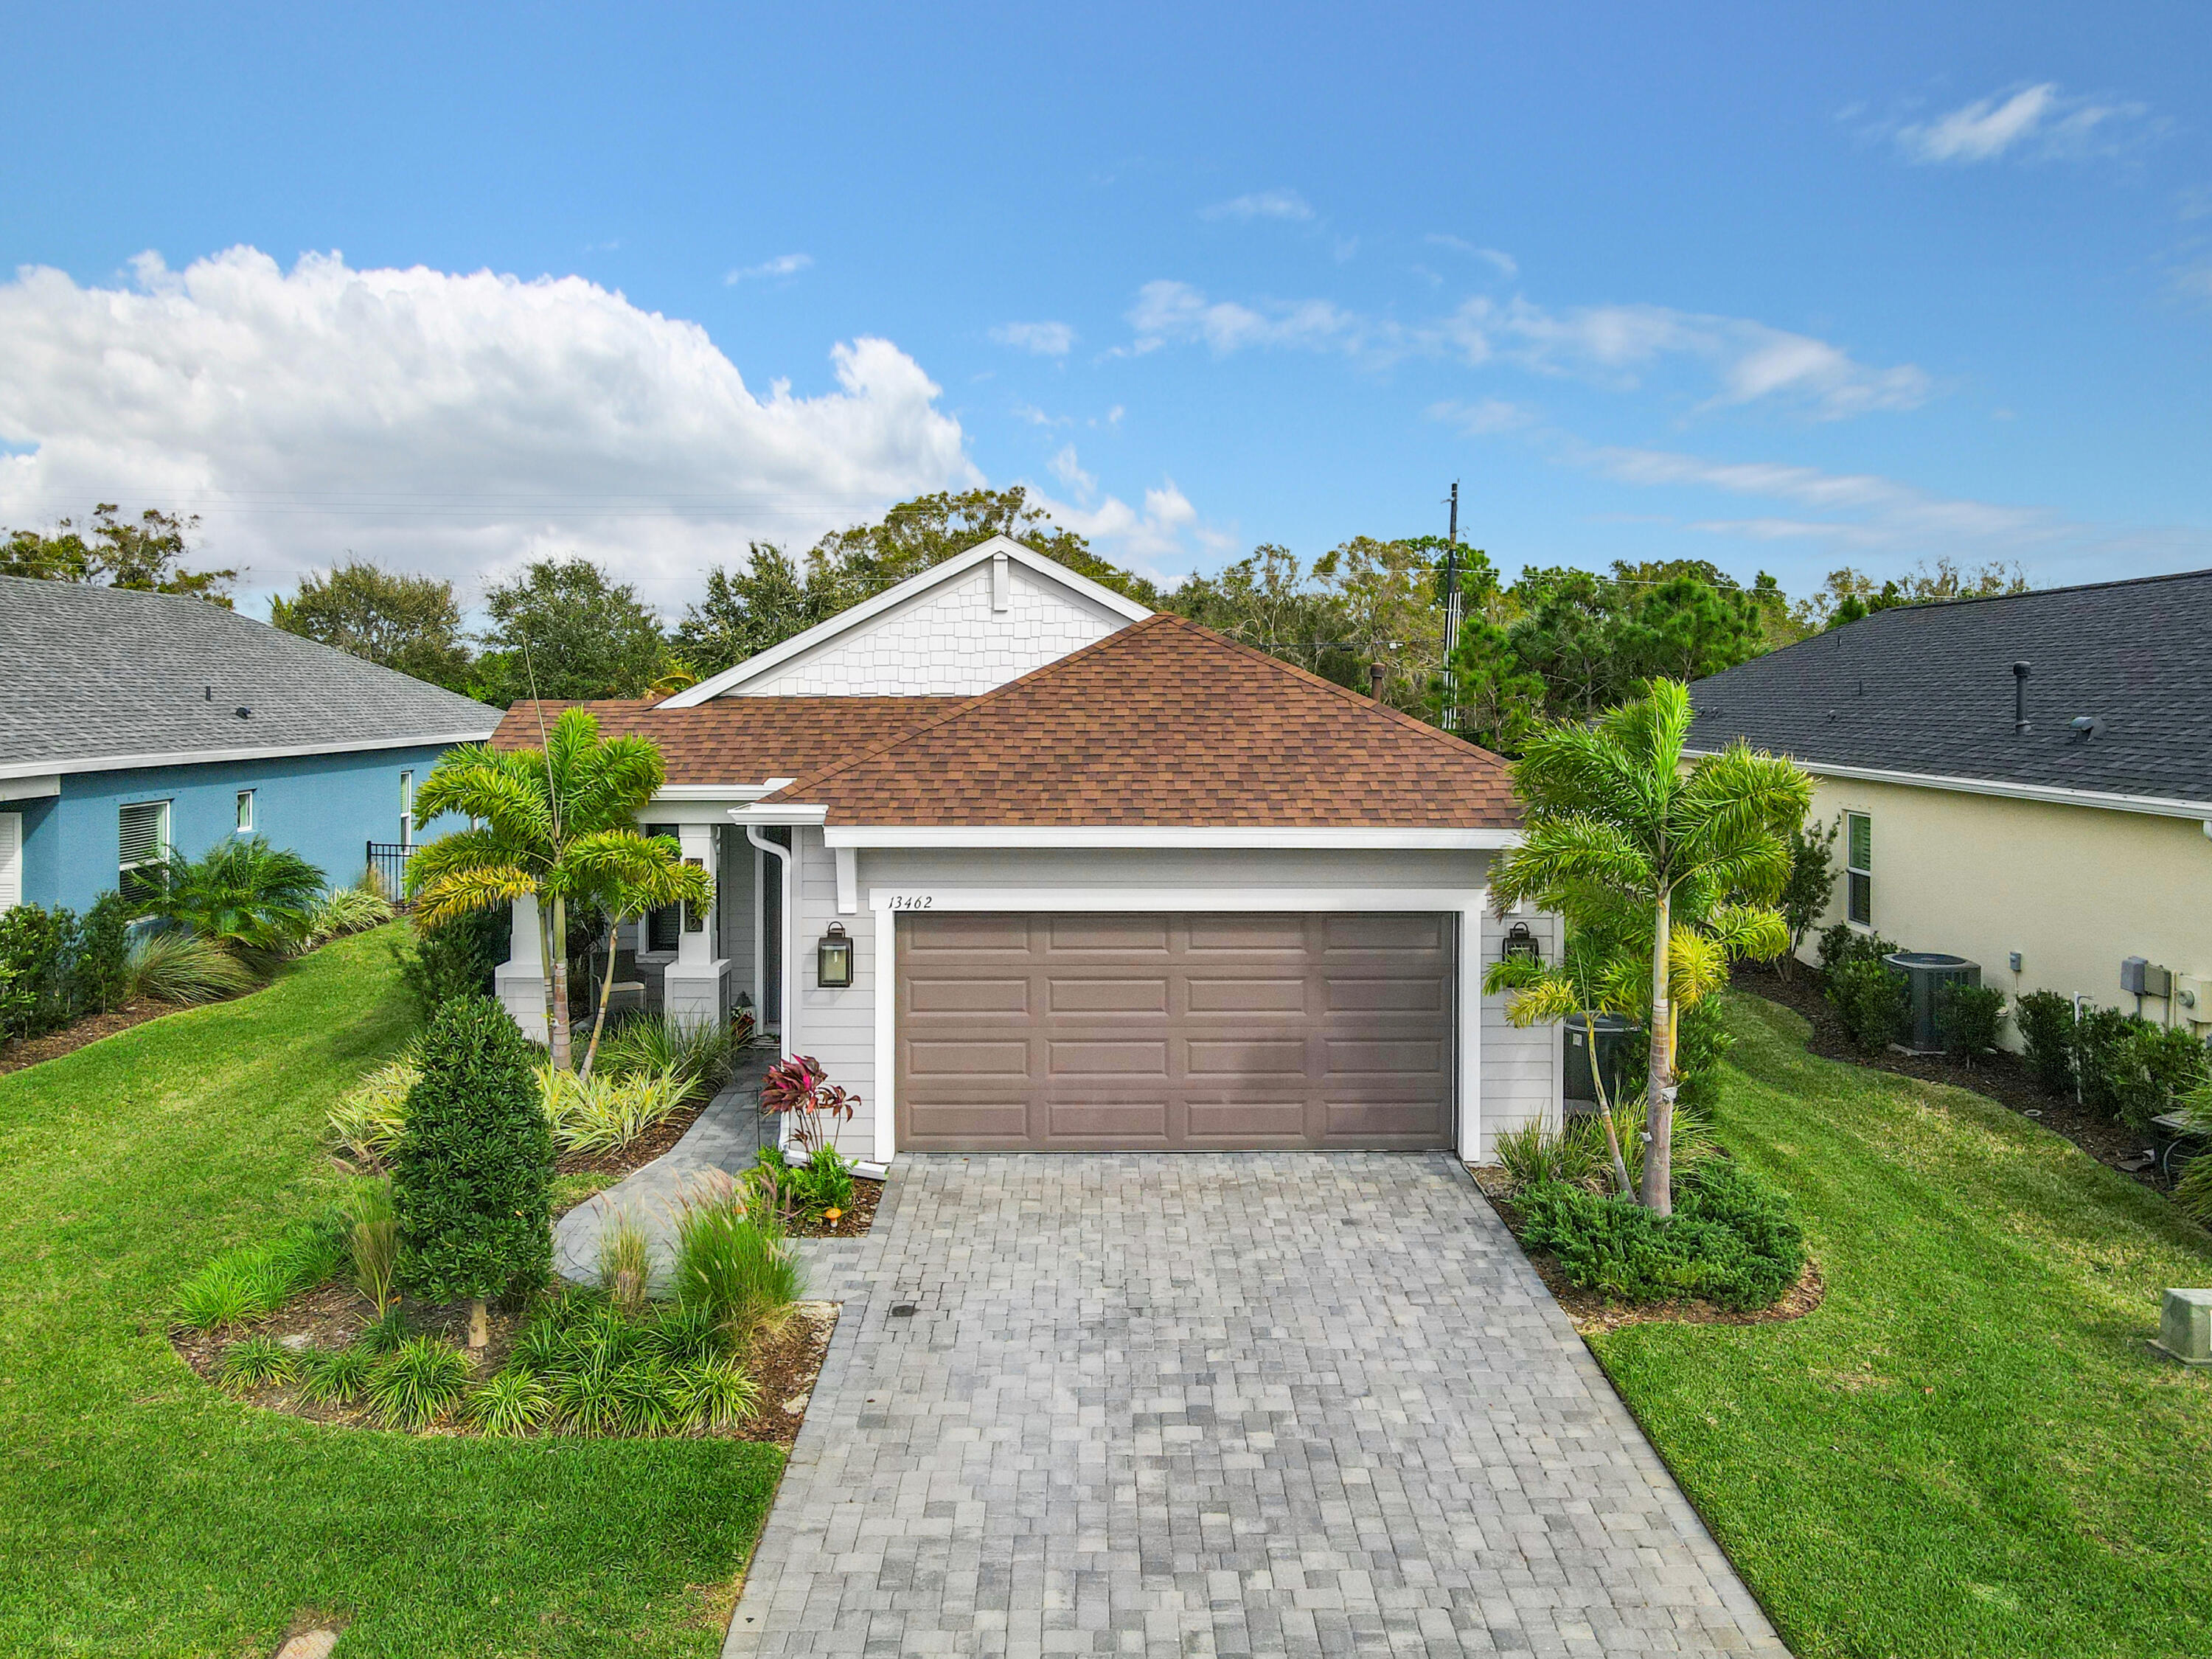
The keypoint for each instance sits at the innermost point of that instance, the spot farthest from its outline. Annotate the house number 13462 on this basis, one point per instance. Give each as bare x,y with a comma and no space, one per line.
911,901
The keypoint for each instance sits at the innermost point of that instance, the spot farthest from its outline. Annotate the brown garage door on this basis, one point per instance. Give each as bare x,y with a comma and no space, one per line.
1198,1031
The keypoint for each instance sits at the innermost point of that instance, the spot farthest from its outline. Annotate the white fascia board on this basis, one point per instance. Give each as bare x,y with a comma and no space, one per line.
779,812
890,599
1114,834
721,792
213,757
35,786
2157,805
1355,900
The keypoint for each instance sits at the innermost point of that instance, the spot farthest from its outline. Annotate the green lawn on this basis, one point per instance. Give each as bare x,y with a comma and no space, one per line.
1966,1450
142,1513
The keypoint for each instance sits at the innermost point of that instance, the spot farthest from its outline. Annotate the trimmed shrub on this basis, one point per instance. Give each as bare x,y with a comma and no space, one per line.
37,947
2047,1030
473,1170
438,965
2102,1059
1842,943
1970,1018
1702,1041
1732,1240
2156,1065
102,975
1870,1001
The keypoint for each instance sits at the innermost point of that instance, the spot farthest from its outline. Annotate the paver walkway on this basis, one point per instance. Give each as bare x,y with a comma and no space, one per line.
1298,1404
726,1137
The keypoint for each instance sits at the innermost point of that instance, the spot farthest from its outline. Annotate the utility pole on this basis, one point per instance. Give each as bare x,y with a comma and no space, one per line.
1451,615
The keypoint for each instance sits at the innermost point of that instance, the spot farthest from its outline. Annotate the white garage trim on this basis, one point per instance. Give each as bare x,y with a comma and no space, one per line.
1119,835
1467,904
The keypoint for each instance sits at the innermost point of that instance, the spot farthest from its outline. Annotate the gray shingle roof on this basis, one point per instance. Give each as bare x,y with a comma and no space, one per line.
93,673
1929,689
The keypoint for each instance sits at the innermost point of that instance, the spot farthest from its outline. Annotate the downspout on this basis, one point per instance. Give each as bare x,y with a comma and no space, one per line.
789,1009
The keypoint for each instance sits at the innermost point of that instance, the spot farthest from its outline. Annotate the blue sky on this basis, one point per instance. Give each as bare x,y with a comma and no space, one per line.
1785,287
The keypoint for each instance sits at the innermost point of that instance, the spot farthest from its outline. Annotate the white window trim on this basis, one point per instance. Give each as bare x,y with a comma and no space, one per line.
407,807
250,809
1467,904
1850,869
162,840
11,868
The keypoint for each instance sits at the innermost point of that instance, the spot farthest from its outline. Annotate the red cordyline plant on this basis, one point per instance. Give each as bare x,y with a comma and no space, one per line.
800,1089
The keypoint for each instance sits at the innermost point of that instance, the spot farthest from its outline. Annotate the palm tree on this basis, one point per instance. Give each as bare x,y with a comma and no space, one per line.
545,823
630,874
1616,819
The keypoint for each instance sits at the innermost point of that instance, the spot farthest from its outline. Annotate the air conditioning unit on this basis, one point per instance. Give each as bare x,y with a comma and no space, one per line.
1926,972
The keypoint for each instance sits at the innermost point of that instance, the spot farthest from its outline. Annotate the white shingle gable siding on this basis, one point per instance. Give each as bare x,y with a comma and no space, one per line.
949,642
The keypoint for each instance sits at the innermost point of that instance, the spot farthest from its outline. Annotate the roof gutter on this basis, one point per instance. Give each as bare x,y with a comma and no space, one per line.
65,767
1151,836
2155,805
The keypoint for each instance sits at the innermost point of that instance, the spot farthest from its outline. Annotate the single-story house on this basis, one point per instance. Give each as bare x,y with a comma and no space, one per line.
132,723
2023,780
1105,880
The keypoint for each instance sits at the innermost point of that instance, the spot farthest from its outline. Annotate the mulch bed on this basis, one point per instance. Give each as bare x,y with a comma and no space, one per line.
2001,1076
1594,1313
866,1195
784,1361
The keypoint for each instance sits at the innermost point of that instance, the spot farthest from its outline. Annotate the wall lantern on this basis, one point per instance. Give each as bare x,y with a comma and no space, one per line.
833,961
1522,944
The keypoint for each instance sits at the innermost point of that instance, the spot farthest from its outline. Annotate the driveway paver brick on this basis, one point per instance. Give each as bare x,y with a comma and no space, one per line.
1218,1405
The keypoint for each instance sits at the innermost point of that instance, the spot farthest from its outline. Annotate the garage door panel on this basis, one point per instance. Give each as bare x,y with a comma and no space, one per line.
1094,1057
1108,933
1148,1031
933,995
1107,996
1213,993
1208,1061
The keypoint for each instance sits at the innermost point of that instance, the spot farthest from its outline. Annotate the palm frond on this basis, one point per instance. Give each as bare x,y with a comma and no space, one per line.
463,891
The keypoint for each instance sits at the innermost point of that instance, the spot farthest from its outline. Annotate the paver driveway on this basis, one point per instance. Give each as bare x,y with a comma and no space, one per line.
1295,1403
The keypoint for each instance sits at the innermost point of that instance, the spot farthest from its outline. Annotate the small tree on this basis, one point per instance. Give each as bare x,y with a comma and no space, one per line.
1812,882
471,1179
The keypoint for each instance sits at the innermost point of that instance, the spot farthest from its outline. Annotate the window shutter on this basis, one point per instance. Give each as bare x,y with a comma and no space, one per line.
141,833
11,859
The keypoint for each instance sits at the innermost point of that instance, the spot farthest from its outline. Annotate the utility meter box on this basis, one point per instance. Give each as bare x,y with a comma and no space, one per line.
2142,977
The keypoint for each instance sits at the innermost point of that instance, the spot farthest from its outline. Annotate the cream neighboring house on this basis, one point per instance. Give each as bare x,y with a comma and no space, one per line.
1028,867
2023,780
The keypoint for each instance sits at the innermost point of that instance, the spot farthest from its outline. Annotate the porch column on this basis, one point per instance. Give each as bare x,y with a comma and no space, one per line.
696,988
521,980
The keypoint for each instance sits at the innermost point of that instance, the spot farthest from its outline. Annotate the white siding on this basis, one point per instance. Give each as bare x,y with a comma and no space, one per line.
947,643
1521,1076
837,1028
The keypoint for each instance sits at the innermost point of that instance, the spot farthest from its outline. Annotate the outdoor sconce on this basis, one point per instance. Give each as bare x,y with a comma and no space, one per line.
833,959
1520,943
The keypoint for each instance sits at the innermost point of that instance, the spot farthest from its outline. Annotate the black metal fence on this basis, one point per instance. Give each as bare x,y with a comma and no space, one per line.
389,859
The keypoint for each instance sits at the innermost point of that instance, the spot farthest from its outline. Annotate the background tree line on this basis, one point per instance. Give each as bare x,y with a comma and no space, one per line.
1557,642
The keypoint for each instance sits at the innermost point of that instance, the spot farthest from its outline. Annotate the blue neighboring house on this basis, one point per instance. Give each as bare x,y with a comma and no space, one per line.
133,723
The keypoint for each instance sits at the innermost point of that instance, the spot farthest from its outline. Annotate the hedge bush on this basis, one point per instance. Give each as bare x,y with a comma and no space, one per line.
438,965
1970,1018
2047,1030
56,967
1841,943
1870,1001
1732,1240
473,1174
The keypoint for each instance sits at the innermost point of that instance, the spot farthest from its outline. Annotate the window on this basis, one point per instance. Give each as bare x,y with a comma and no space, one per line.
11,861
1858,868
662,926
406,809
143,847
246,811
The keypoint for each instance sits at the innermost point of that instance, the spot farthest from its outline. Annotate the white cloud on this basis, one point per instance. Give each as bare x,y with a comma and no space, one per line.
451,424
1069,470
1261,205
2037,120
1484,419
1045,339
1175,313
1614,346
1503,263
1142,535
784,265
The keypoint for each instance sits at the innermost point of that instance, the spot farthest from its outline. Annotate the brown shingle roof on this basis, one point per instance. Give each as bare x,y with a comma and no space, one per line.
737,740
1167,723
